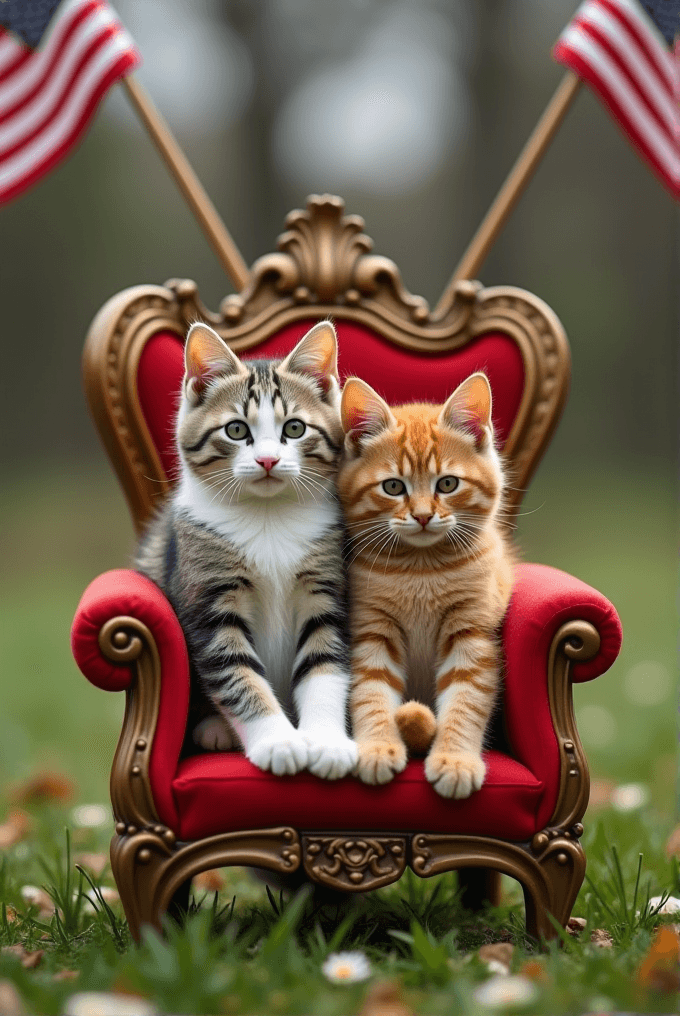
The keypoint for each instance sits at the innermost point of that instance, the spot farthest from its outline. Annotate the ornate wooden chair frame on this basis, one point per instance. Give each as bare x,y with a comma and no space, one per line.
324,267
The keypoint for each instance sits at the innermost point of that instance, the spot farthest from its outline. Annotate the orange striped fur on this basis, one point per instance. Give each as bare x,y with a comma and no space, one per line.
430,573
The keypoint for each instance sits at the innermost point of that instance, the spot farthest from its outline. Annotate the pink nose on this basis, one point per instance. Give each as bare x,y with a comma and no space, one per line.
423,519
267,463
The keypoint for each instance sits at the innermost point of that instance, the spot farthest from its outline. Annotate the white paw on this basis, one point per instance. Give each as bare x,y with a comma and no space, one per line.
281,753
214,734
331,753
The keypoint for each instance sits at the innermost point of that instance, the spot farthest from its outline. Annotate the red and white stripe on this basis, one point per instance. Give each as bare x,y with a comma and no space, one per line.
49,95
618,50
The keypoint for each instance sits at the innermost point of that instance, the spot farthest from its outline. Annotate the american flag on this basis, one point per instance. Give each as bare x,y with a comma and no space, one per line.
625,51
57,60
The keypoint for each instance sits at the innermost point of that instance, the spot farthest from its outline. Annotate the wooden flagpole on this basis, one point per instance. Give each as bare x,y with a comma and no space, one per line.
512,189
188,182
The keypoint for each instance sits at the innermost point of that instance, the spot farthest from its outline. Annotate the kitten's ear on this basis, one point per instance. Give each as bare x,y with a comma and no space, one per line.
363,412
316,355
469,408
207,356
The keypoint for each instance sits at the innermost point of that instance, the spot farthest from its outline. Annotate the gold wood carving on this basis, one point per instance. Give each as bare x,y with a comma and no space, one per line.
576,641
127,640
111,356
323,267
148,871
550,880
354,864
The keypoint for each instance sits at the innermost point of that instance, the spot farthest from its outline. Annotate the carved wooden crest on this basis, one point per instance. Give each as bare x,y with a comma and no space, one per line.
324,266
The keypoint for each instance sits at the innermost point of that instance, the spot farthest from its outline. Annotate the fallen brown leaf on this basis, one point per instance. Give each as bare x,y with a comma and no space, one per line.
42,787
33,959
673,843
575,926
209,881
10,913
533,970
601,938
659,969
16,827
95,863
66,975
13,950
10,1000
601,792
384,999
122,986
501,952
29,960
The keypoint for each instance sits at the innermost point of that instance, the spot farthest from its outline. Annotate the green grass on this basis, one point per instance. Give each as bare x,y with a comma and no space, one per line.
251,951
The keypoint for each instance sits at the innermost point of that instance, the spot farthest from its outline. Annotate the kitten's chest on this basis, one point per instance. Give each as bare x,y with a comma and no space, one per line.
274,626
420,657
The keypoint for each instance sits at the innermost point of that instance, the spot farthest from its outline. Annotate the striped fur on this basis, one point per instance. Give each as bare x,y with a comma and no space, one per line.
249,551
430,578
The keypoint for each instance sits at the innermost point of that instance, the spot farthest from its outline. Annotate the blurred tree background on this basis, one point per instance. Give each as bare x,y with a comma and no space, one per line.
413,111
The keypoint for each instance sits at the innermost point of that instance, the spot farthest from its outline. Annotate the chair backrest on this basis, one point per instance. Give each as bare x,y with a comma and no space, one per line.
133,360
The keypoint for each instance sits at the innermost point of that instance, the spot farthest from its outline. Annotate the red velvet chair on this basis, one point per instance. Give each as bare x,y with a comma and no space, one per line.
178,814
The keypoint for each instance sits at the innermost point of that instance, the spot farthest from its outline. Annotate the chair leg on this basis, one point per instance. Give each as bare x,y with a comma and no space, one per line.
480,886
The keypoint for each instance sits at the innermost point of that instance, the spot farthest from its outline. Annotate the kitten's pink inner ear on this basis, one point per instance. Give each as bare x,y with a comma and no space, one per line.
478,399
206,356
361,410
316,355
470,405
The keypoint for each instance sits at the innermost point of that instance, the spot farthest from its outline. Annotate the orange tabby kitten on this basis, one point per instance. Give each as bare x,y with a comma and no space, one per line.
430,574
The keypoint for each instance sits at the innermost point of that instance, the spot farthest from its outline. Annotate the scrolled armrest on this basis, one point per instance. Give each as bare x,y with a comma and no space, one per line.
105,635
543,599
126,637
550,614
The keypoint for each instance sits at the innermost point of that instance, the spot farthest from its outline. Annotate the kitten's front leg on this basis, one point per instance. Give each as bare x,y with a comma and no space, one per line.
233,677
378,684
321,677
321,701
466,683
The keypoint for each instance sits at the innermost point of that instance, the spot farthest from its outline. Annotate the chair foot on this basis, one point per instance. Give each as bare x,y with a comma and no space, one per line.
481,886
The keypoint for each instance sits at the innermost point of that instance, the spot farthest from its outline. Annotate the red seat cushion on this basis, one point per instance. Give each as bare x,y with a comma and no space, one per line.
224,792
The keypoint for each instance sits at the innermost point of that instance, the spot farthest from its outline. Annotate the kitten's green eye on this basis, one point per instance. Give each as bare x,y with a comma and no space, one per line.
237,430
294,428
394,487
447,484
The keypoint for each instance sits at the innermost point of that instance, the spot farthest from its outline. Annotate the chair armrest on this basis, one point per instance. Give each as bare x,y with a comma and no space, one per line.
121,593
541,659
126,637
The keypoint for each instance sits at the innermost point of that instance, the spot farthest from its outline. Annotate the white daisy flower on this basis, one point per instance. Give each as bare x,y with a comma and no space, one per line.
671,906
506,990
106,1003
91,816
346,967
496,967
32,894
630,796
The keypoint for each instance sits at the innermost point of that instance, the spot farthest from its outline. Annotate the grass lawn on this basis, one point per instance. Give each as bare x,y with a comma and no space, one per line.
244,952
60,531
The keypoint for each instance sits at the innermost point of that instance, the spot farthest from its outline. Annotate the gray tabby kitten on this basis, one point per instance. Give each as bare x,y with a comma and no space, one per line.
249,551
